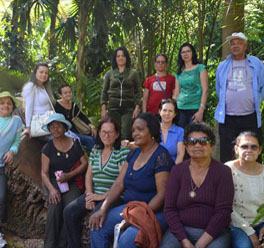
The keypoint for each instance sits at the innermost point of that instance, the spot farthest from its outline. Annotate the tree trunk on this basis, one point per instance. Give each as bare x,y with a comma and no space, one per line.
52,40
14,33
82,31
233,21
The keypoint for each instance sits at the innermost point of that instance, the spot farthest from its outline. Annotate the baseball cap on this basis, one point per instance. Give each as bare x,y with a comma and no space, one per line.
236,36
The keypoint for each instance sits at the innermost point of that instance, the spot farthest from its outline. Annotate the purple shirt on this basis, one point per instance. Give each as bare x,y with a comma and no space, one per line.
210,209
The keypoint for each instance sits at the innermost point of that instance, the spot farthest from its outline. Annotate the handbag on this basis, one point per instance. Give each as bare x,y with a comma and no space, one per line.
80,125
38,120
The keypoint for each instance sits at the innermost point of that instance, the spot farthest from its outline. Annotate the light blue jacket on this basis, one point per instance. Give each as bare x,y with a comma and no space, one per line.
222,71
10,137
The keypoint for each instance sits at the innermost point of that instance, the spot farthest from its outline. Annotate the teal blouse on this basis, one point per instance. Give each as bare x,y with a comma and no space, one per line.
190,88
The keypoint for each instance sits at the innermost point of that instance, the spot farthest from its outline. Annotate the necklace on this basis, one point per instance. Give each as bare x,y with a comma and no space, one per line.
143,156
193,193
64,154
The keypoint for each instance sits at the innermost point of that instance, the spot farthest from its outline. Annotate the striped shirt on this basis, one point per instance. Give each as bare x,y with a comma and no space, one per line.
105,176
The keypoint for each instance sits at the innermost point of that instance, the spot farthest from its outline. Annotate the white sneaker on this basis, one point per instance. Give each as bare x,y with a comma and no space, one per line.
2,241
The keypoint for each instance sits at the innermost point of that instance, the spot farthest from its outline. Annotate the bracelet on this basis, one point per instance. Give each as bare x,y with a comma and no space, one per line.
203,106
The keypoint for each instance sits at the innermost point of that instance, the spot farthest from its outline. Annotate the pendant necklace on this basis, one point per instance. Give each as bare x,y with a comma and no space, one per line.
193,193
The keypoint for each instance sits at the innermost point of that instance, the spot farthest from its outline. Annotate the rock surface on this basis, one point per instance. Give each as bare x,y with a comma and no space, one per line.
26,214
26,205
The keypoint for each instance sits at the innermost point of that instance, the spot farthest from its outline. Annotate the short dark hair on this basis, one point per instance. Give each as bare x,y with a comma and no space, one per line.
98,142
152,124
180,62
250,134
163,55
63,86
197,126
126,54
173,102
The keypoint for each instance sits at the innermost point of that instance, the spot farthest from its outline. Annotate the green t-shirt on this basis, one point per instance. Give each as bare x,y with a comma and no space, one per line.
190,88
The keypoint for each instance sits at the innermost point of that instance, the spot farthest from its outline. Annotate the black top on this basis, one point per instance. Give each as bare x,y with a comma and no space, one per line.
68,114
62,160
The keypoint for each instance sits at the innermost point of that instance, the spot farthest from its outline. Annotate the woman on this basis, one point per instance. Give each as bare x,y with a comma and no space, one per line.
199,195
121,92
60,154
158,86
10,131
105,161
69,109
143,178
191,86
171,135
248,176
37,94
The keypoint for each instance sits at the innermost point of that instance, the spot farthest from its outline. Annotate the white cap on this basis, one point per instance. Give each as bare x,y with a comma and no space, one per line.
236,36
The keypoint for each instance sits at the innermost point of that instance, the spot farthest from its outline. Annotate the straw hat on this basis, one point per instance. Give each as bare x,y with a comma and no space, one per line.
8,94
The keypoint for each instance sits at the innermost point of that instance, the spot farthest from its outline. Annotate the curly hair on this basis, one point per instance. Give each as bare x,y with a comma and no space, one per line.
126,54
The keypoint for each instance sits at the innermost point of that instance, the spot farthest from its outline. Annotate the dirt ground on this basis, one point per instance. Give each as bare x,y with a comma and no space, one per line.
17,242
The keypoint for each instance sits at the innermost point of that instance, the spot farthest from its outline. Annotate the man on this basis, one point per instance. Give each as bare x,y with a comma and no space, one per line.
240,90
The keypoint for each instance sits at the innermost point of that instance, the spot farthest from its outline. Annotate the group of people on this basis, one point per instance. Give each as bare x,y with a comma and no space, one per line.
163,189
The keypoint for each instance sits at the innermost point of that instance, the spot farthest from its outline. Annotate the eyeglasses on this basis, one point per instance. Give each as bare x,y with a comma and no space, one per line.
251,147
110,133
52,127
161,62
185,52
203,141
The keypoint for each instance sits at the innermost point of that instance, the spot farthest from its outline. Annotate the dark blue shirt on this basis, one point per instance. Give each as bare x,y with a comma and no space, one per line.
140,185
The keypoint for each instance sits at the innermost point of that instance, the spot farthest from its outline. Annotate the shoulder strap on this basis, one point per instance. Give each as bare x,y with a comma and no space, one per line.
165,94
50,101
73,108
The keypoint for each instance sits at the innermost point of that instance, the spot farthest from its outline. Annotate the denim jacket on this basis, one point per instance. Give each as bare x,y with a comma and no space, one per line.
222,71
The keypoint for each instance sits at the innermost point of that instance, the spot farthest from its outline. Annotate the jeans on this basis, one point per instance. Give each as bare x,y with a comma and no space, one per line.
73,215
185,116
223,240
228,132
3,193
240,239
103,237
86,140
55,229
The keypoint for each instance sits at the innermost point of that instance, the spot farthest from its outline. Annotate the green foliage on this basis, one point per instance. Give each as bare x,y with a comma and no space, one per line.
12,81
260,212
145,27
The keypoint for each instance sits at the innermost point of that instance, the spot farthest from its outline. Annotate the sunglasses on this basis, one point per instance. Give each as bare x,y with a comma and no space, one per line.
203,141
251,147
